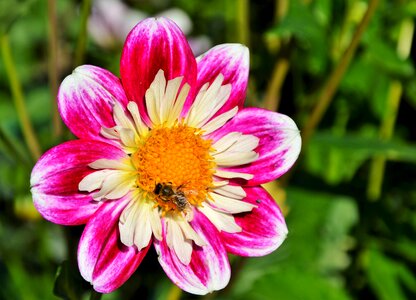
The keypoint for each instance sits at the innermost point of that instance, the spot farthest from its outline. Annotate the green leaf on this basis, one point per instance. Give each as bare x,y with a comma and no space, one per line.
386,275
68,283
318,227
302,25
385,57
368,146
326,159
11,10
293,284
406,248
342,215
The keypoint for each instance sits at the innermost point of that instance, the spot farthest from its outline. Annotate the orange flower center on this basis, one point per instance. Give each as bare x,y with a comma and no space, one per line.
175,167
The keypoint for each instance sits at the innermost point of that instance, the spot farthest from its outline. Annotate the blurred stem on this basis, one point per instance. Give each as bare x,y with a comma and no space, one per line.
13,148
174,293
282,6
95,295
82,37
378,163
328,91
273,91
243,22
339,129
17,93
281,67
53,66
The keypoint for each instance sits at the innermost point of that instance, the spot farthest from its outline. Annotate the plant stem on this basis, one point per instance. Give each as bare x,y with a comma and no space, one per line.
281,67
378,163
13,148
328,91
17,93
282,6
53,66
243,22
82,37
273,91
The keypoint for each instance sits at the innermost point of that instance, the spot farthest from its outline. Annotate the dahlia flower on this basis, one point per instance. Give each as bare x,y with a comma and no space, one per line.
166,155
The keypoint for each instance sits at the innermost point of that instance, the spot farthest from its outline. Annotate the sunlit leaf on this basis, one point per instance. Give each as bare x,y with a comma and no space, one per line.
386,275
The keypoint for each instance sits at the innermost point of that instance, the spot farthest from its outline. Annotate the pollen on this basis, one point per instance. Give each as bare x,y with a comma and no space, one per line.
179,158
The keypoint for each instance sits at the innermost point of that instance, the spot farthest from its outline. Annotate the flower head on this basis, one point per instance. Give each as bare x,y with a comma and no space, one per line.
166,156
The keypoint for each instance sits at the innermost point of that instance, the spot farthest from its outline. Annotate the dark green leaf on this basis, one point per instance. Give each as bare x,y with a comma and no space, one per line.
69,285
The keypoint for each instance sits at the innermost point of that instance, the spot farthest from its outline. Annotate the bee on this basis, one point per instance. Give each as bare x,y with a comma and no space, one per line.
166,192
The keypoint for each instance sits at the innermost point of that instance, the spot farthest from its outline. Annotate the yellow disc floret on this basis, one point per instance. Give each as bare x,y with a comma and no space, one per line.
175,164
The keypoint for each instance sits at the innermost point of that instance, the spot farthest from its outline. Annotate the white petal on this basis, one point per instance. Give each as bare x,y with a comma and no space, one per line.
154,97
134,224
122,164
127,223
229,205
152,107
128,137
155,222
115,185
169,232
169,98
143,231
93,181
218,183
178,106
213,103
235,141
219,121
208,101
245,143
229,158
176,241
222,221
229,174
109,133
182,247
190,233
120,117
232,191
226,142
142,129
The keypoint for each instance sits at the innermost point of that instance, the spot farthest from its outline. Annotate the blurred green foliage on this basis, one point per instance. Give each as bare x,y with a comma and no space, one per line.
342,243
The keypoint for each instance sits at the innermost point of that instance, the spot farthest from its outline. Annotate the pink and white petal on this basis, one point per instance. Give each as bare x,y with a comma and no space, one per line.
155,44
102,259
56,176
209,269
279,144
263,229
86,99
233,62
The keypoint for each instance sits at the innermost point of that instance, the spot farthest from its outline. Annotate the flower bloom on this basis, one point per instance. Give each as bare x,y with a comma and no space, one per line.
168,156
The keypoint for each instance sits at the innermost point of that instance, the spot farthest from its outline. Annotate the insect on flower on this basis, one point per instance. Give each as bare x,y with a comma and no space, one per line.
167,156
166,192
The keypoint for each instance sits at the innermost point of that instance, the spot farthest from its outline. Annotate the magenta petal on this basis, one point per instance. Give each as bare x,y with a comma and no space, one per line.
155,44
263,229
279,144
209,269
233,62
86,99
102,259
56,176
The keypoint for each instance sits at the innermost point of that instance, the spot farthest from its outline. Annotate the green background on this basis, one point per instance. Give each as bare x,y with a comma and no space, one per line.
343,70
